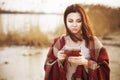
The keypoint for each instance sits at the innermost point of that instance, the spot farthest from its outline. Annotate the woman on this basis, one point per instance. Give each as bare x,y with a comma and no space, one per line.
92,63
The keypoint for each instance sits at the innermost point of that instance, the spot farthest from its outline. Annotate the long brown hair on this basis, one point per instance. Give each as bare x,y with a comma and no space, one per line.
87,33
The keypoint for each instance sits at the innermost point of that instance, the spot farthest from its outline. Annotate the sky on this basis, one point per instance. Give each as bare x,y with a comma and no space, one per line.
50,5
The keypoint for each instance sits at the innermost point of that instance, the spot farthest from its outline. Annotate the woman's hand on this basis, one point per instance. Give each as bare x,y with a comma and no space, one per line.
80,60
61,56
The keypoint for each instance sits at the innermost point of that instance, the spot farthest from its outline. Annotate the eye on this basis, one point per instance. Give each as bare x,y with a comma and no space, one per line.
79,20
70,21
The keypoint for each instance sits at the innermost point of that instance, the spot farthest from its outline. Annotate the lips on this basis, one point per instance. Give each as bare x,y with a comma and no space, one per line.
74,29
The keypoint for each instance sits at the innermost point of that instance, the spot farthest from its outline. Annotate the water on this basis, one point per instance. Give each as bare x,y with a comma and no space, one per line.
22,63
27,63
23,22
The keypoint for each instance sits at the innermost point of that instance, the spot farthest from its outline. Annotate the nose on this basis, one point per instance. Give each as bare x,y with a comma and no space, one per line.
74,24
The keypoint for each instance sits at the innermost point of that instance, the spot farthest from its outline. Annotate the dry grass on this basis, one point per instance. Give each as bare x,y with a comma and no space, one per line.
59,30
104,20
32,38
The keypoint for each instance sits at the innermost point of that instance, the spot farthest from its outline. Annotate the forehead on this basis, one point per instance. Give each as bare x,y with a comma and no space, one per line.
74,15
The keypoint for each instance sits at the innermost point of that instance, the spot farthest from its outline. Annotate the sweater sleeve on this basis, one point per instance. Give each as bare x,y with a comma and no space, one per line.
52,66
50,61
100,69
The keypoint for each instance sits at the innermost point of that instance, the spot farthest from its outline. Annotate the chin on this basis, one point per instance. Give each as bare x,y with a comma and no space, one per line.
75,32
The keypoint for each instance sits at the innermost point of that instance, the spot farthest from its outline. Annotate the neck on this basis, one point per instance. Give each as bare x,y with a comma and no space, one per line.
72,43
79,35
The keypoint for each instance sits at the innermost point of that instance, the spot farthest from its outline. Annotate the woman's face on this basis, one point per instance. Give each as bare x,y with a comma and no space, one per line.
74,22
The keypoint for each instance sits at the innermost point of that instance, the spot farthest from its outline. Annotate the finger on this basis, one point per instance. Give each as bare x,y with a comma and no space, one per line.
71,60
73,57
76,61
61,52
80,53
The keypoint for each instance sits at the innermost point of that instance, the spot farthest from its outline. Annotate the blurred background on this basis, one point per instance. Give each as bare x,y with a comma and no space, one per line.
28,27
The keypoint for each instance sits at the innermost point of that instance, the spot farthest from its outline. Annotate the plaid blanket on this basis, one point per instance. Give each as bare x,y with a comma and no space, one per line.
98,64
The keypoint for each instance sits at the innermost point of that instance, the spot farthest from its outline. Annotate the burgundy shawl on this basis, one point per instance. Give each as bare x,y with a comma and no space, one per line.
101,71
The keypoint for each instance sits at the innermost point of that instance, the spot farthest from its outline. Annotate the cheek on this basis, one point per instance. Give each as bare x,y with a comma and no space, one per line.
79,26
69,24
